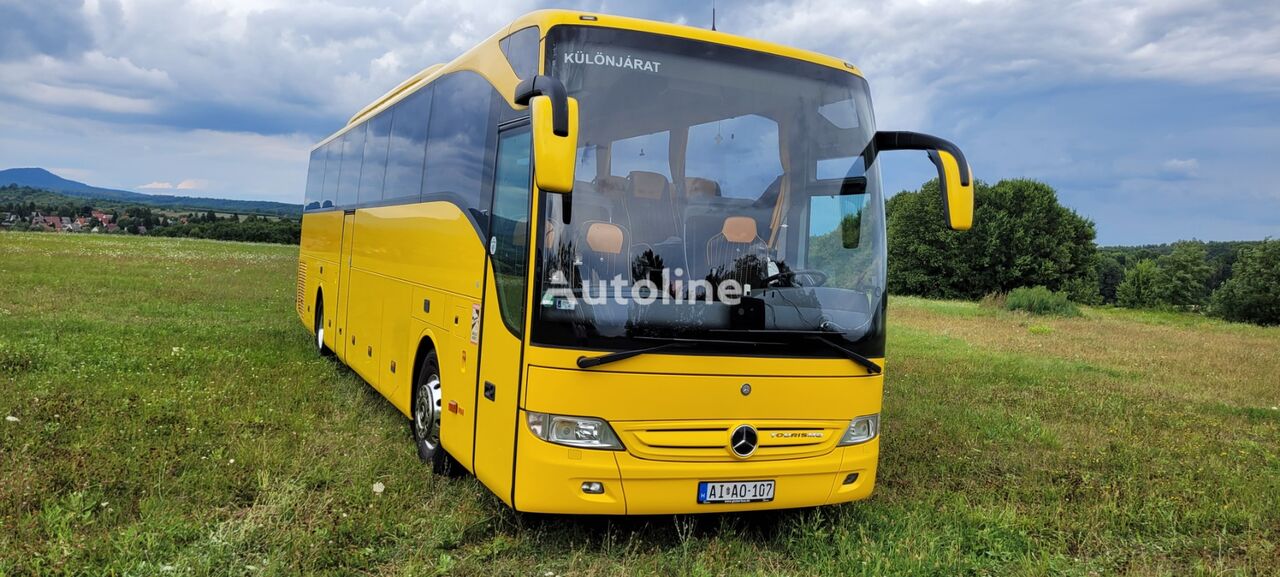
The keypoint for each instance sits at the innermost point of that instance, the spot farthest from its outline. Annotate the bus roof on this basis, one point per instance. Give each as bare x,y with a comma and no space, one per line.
545,19
486,57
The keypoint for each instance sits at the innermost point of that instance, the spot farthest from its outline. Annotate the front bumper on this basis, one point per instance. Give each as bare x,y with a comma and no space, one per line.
549,478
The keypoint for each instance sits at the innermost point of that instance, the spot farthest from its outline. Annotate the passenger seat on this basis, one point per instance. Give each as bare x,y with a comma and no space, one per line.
738,250
650,208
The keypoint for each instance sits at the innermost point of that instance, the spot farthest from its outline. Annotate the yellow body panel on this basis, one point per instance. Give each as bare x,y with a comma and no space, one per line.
395,279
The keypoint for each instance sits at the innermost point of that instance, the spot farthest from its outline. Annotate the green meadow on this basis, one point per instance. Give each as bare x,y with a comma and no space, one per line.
165,414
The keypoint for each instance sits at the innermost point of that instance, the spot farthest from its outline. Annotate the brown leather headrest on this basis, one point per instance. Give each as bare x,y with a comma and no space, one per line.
739,229
697,187
650,185
605,237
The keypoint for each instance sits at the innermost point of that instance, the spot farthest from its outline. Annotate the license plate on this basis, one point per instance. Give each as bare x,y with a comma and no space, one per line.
734,491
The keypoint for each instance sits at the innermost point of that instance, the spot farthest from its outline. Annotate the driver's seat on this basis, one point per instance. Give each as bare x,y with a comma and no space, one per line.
738,252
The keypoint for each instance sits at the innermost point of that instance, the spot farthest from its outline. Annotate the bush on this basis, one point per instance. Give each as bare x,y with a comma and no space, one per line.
1252,294
1040,301
1142,287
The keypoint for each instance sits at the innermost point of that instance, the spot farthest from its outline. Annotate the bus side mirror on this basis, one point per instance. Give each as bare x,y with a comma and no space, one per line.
554,126
954,177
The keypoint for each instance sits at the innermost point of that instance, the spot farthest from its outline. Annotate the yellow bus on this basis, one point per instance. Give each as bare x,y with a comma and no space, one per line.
614,266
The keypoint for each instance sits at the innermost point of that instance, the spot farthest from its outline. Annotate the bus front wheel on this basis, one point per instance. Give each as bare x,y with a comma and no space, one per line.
426,417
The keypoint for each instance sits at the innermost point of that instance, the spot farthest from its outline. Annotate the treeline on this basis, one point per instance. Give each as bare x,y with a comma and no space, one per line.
250,229
25,209
1023,237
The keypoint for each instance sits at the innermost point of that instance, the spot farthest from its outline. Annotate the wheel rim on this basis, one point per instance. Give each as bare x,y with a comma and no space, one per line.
426,412
319,328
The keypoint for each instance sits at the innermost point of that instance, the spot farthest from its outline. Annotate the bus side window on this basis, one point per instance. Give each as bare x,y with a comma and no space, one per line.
374,167
333,160
521,50
408,146
457,138
315,179
349,178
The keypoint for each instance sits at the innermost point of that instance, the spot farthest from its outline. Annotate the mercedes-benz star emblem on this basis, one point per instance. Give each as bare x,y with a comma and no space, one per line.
746,389
743,441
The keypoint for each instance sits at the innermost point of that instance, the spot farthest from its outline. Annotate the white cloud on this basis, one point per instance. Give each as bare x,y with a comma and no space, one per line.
238,165
1182,166
157,185
919,54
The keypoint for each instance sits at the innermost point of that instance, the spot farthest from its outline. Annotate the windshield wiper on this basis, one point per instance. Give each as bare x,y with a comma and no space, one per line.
585,362
870,365
820,336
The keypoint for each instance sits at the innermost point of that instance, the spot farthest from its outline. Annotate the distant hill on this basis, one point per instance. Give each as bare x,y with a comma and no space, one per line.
41,178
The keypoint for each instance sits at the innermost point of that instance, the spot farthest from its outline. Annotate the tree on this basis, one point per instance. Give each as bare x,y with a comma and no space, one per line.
1022,236
1186,272
1252,294
1110,275
1142,286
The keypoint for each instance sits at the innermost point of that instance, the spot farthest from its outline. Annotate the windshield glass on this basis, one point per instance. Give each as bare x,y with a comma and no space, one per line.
721,195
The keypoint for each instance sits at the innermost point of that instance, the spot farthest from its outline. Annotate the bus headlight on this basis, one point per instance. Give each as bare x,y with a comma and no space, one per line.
861,430
582,432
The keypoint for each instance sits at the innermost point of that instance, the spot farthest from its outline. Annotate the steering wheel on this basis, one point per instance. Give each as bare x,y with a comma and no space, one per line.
817,277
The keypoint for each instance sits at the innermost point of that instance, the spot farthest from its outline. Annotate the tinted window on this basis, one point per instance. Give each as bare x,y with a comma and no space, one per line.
647,153
457,137
511,226
374,165
521,50
349,178
333,154
586,169
315,179
407,146
741,154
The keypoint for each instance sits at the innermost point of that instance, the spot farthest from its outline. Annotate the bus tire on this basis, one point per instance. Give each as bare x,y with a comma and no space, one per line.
322,349
425,417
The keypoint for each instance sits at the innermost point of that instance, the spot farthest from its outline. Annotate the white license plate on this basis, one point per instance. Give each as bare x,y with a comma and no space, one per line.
734,491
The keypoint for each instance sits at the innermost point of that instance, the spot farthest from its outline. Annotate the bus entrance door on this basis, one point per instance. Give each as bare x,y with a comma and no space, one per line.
502,322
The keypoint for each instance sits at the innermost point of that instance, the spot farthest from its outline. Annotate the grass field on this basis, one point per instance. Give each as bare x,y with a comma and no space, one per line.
169,417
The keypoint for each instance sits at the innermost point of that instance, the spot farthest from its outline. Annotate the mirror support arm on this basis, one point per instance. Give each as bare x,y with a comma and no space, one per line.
551,87
901,140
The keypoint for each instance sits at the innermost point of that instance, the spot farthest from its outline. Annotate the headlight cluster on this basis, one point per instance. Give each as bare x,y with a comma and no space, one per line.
581,432
861,430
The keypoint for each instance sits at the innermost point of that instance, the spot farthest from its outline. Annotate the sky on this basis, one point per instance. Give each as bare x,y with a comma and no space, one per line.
1158,120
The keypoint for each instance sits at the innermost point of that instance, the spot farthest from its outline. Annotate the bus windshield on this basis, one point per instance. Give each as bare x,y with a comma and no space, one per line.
722,195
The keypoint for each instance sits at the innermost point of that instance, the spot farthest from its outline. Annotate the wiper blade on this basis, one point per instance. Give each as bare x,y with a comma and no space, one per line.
870,365
585,362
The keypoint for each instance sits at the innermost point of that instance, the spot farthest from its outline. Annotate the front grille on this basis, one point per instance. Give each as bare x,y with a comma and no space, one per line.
302,288
709,440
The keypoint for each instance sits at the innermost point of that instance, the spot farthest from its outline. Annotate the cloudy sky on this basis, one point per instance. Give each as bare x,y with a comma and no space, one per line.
1159,120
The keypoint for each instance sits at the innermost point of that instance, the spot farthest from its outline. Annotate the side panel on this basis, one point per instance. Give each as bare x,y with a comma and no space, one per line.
429,244
396,355
364,325
318,259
